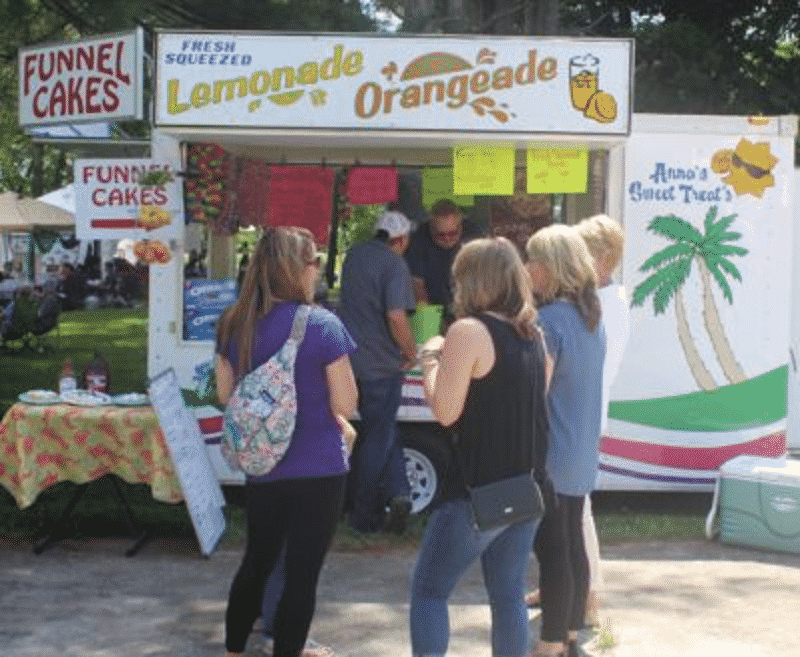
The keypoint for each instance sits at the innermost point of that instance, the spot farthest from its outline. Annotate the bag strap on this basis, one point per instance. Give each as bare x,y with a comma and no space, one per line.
299,323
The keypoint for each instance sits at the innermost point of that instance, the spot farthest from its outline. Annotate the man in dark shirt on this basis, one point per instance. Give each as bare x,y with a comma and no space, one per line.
433,247
376,298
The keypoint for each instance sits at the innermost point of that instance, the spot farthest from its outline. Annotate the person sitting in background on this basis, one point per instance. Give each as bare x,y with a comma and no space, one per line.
7,286
71,288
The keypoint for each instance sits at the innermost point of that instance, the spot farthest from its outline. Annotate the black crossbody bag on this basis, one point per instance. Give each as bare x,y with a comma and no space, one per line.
505,502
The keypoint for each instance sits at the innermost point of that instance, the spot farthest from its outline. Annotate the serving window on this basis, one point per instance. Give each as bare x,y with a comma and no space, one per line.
229,198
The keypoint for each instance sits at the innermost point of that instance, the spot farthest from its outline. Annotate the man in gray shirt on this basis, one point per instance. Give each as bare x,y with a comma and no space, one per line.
377,295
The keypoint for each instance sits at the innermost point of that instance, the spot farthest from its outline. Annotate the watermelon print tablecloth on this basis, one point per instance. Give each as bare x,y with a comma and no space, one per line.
42,445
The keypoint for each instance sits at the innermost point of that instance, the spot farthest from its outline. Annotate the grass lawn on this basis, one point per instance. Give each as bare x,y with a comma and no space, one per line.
121,335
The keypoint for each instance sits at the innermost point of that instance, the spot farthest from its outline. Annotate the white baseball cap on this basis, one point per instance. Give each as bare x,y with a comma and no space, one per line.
393,222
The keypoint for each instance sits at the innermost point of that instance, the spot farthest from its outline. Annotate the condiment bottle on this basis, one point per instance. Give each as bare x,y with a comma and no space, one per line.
95,375
67,382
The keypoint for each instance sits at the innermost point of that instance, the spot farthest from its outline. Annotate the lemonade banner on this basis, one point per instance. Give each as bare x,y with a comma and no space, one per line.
484,169
557,171
493,84
111,204
437,183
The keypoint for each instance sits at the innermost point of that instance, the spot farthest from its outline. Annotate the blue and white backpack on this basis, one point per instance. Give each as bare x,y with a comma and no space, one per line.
259,419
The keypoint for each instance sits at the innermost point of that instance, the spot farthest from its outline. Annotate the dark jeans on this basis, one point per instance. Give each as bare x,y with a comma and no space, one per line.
378,466
302,514
563,568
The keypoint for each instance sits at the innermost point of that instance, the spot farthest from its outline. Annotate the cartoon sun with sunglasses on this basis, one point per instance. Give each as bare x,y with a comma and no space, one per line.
748,167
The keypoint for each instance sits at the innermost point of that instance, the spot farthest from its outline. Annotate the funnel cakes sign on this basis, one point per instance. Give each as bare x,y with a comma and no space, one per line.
96,79
486,84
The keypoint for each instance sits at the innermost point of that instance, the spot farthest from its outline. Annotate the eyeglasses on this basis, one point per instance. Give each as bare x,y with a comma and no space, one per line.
447,234
752,169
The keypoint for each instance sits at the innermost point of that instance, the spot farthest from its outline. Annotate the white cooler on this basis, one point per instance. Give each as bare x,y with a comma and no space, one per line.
759,503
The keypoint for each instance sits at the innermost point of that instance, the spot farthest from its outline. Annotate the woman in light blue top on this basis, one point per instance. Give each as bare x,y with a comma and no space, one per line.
565,286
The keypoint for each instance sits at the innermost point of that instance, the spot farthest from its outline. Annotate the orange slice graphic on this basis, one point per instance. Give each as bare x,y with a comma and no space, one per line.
434,63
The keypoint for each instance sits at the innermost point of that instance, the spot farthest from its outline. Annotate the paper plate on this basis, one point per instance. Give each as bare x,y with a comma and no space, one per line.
41,397
86,398
131,399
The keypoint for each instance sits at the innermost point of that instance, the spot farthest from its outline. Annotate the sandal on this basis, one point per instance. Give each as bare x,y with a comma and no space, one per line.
311,649
533,599
314,649
539,652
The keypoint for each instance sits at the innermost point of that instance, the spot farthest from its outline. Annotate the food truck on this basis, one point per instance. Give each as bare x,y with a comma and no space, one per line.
521,131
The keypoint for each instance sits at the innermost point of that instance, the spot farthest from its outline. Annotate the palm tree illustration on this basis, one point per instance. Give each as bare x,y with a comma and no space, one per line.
672,267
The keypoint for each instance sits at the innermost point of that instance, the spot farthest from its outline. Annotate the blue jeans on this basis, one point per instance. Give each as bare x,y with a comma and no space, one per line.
379,469
449,547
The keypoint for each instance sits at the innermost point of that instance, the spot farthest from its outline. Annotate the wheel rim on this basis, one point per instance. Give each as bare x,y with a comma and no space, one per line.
422,479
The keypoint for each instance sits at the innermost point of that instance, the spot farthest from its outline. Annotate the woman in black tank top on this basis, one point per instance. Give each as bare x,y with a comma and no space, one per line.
487,379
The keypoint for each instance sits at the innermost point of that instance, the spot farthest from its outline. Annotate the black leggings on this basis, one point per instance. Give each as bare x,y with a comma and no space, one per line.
304,514
563,569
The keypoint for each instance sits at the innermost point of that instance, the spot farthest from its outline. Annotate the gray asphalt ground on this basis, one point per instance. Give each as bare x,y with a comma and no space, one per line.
84,598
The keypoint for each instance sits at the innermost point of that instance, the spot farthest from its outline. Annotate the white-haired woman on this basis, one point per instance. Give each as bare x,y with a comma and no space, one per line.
565,286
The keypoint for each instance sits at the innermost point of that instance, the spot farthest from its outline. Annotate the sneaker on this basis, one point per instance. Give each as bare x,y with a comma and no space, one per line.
397,518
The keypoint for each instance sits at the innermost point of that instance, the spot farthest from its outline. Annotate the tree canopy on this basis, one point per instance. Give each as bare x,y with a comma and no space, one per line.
692,56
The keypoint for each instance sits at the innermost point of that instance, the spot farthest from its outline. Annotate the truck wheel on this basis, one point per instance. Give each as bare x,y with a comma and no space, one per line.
426,457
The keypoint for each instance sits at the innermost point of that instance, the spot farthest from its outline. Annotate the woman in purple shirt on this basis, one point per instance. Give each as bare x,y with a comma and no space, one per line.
299,501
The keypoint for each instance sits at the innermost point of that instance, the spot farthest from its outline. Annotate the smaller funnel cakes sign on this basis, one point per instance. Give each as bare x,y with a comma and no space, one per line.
112,202
399,83
97,79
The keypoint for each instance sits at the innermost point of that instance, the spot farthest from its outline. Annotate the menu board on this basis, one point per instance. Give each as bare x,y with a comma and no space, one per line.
186,446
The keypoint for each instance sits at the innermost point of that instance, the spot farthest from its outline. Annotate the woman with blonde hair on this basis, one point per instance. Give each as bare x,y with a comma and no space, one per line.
298,502
605,239
564,285
487,380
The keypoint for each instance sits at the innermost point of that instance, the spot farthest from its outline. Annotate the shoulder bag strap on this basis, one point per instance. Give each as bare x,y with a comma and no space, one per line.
299,323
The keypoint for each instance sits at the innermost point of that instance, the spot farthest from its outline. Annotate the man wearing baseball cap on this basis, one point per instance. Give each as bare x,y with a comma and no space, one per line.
377,296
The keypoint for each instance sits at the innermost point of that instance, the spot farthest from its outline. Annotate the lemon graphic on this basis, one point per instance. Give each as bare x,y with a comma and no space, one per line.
286,98
602,107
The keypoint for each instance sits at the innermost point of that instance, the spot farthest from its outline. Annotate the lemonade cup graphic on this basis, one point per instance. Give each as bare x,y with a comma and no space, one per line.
584,74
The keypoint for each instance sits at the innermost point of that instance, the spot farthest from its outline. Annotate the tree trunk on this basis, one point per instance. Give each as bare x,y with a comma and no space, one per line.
701,375
733,371
540,17
419,14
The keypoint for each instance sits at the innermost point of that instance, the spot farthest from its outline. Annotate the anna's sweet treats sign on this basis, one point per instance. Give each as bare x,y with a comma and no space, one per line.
488,84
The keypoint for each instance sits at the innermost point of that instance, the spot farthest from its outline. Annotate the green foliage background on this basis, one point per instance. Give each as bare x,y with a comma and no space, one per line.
692,56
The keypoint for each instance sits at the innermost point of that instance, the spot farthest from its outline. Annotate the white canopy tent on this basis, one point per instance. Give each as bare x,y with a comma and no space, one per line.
21,214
